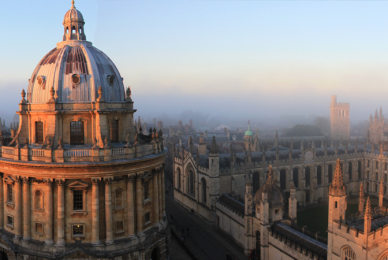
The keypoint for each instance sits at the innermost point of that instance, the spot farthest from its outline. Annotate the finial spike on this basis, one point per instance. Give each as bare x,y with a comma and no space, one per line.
72,4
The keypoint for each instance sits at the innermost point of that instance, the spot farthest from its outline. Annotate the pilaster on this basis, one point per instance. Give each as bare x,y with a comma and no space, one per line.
26,209
108,210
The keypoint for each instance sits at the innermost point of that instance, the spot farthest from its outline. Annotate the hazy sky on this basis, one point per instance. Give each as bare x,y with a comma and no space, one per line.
245,59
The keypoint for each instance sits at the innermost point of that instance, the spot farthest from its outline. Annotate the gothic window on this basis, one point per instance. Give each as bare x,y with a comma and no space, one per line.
9,193
330,173
146,191
319,175
348,254
39,132
359,170
350,170
114,130
367,187
255,181
38,200
367,162
307,176
283,179
376,189
377,165
78,200
76,132
295,177
377,176
119,198
191,182
178,179
367,174
203,184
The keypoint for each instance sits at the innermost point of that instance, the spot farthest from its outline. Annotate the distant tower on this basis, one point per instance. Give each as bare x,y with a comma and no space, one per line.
248,137
339,119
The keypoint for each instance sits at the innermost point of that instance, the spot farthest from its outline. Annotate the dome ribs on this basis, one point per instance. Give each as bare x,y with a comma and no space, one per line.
76,61
50,57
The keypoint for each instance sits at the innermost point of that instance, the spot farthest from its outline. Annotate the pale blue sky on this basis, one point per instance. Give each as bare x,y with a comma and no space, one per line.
246,59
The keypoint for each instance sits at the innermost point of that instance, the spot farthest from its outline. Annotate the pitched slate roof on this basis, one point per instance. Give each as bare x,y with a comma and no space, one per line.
232,204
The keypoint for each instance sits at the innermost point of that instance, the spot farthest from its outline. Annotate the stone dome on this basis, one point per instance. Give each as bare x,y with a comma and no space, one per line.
75,69
275,195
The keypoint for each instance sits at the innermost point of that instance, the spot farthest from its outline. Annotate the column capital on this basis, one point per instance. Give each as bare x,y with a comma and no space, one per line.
60,182
140,175
26,180
131,178
96,180
48,181
108,180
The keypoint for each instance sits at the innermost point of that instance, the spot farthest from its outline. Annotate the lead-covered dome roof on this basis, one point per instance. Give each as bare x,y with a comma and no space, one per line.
75,69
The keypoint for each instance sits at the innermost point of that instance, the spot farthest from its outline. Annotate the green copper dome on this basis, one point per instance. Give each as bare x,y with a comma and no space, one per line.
248,132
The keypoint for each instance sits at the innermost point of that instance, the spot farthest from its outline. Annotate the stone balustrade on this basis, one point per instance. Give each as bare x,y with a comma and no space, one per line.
75,154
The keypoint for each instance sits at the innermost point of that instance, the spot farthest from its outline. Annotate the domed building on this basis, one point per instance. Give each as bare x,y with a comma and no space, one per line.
77,180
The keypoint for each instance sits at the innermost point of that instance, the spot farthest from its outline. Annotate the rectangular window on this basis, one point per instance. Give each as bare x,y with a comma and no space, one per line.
385,178
9,191
39,228
377,176
367,162
119,226
39,132
78,200
147,217
336,204
10,221
146,195
78,230
76,132
114,131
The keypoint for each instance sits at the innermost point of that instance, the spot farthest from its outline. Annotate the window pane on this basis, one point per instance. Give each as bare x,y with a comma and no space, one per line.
39,132
114,131
78,205
78,230
9,189
76,132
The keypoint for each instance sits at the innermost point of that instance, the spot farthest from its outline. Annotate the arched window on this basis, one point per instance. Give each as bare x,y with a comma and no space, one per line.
178,179
67,30
80,29
258,244
350,170
39,132
73,30
330,172
114,131
191,182
319,175
376,189
255,181
348,254
283,179
295,177
307,176
203,184
76,132
38,200
359,170
119,198
377,164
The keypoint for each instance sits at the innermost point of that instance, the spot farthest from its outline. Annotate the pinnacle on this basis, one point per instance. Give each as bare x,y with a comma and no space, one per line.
368,208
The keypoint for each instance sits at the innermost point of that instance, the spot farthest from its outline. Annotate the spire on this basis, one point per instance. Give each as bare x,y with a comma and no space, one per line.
376,115
249,123
367,218
381,113
276,138
72,4
214,145
361,199
337,187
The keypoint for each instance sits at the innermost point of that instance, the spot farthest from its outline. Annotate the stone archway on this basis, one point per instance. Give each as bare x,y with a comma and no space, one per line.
155,254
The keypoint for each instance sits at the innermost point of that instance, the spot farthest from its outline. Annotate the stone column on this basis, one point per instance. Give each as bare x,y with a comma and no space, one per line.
131,205
49,206
155,199
61,213
95,212
108,210
139,203
1,203
26,209
18,208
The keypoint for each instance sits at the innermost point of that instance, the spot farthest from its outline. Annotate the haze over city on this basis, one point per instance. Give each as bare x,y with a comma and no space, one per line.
235,59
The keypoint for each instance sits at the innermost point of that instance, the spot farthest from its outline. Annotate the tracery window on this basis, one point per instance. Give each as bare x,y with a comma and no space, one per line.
203,184
191,182
39,132
178,179
76,132
348,254
114,130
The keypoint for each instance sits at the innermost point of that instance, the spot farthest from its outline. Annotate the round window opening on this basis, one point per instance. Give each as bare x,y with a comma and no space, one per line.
76,79
40,80
111,79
